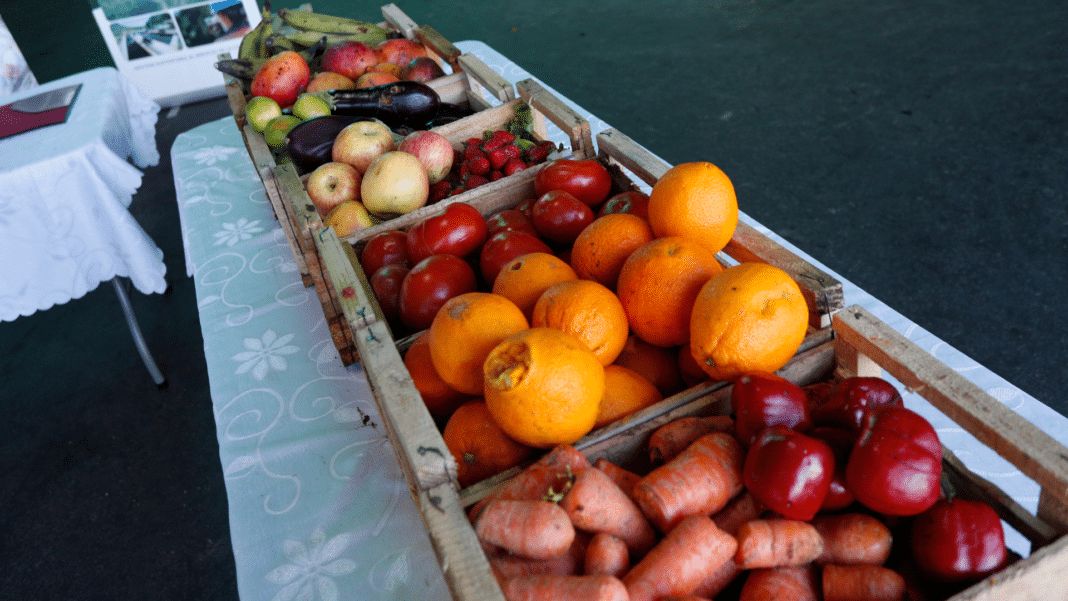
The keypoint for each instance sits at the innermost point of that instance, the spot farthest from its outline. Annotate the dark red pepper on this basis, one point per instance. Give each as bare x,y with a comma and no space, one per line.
958,540
789,472
760,399
850,399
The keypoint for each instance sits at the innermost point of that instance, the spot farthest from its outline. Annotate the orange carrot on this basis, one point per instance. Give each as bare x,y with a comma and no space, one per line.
607,554
505,565
862,583
685,598
796,583
596,504
739,510
626,479
596,587
716,581
673,437
551,471
680,561
701,480
853,538
776,543
534,529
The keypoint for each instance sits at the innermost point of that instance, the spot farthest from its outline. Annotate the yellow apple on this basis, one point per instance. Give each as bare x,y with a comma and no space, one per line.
394,184
361,142
348,218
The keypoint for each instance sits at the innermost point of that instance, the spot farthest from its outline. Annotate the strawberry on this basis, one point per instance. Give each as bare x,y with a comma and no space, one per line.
497,139
439,191
473,142
475,181
495,175
497,157
513,165
464,171
478,165
512,151
539,153
472,151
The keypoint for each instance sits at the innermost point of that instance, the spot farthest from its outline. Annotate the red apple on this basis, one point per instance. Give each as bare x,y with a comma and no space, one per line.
361,142
332,184
350,58
400,51
422,69
433,150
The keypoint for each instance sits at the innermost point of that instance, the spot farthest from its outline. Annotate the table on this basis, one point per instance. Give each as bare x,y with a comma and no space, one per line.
65,190
318,504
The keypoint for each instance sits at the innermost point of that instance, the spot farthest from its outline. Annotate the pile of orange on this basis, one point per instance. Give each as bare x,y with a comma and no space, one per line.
635,311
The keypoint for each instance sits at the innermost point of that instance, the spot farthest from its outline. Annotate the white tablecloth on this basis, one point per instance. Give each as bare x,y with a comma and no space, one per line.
64,196
318,505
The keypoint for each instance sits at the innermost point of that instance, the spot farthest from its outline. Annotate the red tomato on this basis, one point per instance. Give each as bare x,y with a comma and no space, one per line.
560,217
526,206
385,248
958,540
504,246
789,472
429,284
761,399
895,464
841,442
386,284
458,230
847,402
586,179
510,219
632,202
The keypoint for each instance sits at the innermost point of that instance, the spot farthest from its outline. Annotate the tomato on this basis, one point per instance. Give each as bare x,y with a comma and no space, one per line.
847,402
510,219
429,284
386,284
841,442
560,217
895,464
504,246
385,248
458,230
762,399
958,540
789,472
526,206
585,179
632,202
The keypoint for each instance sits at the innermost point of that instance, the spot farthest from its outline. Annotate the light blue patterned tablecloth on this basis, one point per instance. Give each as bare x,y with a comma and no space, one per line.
319,508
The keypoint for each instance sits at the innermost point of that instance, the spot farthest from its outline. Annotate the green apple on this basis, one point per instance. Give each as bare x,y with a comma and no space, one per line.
310,105
260,110
278,128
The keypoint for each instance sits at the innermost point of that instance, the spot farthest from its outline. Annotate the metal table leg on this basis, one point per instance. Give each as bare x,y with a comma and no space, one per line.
135,330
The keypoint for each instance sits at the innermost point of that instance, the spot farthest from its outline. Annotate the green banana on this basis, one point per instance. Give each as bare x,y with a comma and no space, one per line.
254,43
309,21
310,38
277,42
243,69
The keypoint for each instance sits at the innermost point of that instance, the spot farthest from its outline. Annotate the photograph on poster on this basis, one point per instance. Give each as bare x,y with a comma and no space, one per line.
140,37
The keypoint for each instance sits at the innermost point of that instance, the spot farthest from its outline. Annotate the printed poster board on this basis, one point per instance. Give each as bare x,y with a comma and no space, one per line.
169,47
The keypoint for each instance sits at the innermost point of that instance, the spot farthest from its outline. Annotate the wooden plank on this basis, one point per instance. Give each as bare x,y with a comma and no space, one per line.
574,126
1020,442
397,19
1038,577
481,78
429,37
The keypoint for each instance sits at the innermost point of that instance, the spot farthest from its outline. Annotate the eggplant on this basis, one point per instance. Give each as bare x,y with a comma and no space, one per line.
398,104
311,142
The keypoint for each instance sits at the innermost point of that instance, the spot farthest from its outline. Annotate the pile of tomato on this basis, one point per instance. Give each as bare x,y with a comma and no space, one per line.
412,273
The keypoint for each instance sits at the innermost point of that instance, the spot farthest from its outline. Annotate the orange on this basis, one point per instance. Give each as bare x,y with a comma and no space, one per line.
524,278
751,317
440,398
625,391
694,201
480,446
588,311
601,248
657,364
543,387
658,285
464,331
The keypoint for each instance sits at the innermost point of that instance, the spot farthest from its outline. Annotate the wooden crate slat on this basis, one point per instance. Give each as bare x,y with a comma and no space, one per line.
399,20
574,126
1023,444
429,37
481,77
1038,577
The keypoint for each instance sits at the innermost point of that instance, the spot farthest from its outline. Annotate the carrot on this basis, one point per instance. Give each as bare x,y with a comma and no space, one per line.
716,581
853,538
534,529
596,587
701,480
673,437
551,471
776,543
625,478
680,561
596,504
862,583
739,510
685,598
607,554
505,565
796,583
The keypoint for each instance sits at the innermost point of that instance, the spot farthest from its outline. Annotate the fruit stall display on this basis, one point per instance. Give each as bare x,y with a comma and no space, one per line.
601,393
